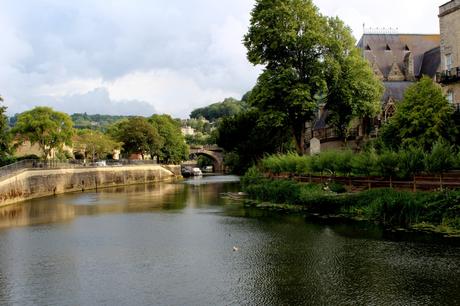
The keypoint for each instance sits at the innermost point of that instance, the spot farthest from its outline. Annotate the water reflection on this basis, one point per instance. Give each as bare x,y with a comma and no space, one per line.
172,244
194,193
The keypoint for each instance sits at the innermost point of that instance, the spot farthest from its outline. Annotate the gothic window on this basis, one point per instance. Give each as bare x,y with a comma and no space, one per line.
387,48
389,110
368,48
406,48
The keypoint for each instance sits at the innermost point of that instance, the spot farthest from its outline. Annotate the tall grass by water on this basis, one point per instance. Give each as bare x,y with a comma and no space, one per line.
401,164
436,210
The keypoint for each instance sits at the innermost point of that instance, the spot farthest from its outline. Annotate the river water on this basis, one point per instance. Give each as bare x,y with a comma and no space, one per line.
172,244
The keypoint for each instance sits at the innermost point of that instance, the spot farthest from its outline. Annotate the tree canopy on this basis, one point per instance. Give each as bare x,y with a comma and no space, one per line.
213,112
138,136
174,149
306,57
94,144
421,118
353,90
246,137
4,132
44,126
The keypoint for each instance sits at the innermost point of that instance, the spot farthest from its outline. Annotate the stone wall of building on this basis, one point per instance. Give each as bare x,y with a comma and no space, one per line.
40,183
449,20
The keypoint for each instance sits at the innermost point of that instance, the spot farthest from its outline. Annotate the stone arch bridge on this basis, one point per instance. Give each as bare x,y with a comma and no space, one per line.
213,152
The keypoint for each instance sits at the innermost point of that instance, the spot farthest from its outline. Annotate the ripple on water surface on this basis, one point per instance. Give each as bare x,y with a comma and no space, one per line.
172,244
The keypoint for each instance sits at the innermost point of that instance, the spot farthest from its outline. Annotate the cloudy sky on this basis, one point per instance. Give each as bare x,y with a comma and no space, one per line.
145,56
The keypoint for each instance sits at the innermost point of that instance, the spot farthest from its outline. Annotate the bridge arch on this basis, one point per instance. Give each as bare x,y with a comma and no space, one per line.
215,154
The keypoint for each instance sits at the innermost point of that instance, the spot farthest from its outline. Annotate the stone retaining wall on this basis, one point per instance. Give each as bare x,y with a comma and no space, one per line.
40,183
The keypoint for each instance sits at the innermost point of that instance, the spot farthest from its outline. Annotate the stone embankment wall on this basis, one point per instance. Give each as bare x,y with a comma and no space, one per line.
40,183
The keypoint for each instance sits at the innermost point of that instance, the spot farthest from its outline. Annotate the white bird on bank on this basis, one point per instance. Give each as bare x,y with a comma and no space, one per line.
235,249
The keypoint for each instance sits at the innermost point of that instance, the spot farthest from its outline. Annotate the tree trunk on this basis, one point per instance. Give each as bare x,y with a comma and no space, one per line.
415,184
391,182
440,181
369,182
299,136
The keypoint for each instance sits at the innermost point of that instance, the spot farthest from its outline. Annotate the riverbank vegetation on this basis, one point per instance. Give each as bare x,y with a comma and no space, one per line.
401,164
431,211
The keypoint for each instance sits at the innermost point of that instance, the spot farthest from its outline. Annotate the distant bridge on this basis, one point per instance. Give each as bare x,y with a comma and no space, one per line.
214,152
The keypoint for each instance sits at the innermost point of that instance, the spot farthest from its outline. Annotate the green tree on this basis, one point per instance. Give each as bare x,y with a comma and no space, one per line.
94,144
440,159
353,89
411,162
309,59
365,163
138,136
422,117
288,39
387,162
247,136
5,138
213,112
44,126
174,149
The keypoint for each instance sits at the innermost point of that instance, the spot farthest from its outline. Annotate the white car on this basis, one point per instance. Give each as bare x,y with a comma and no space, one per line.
101,163
197,172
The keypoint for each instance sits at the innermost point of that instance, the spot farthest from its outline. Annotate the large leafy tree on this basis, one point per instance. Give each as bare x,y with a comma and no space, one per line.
174,149
309,60
138,136
353,90
4,134
44,126
421,118
246,137
94,144
288,38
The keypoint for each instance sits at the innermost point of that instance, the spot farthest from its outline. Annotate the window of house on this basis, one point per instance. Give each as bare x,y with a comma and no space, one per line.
448,62
450,96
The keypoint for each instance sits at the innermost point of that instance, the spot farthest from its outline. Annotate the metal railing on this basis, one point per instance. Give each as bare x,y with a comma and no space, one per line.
448,76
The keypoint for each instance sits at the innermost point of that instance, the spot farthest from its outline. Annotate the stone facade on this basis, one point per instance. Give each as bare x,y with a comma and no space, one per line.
449,20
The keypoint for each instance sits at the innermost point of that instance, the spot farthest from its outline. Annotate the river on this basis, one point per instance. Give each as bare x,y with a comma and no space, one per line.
173,244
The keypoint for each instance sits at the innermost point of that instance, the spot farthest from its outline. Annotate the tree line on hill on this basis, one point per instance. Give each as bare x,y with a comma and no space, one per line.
157,136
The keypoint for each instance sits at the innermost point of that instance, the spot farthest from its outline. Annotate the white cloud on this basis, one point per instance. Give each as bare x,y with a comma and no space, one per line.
165,55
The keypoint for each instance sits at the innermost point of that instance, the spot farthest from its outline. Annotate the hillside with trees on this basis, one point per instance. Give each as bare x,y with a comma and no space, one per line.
213,112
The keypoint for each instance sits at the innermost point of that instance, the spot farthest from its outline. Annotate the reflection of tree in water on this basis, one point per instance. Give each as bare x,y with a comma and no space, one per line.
39,211
206,195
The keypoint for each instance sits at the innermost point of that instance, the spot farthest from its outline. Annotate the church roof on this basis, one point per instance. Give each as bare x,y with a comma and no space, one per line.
395,90
431,62
385,50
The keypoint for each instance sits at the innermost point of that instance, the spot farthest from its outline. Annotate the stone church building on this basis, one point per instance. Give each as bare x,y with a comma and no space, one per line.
399,60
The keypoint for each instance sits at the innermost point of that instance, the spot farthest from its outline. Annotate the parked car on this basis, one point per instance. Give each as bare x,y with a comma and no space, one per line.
101,163
197,172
